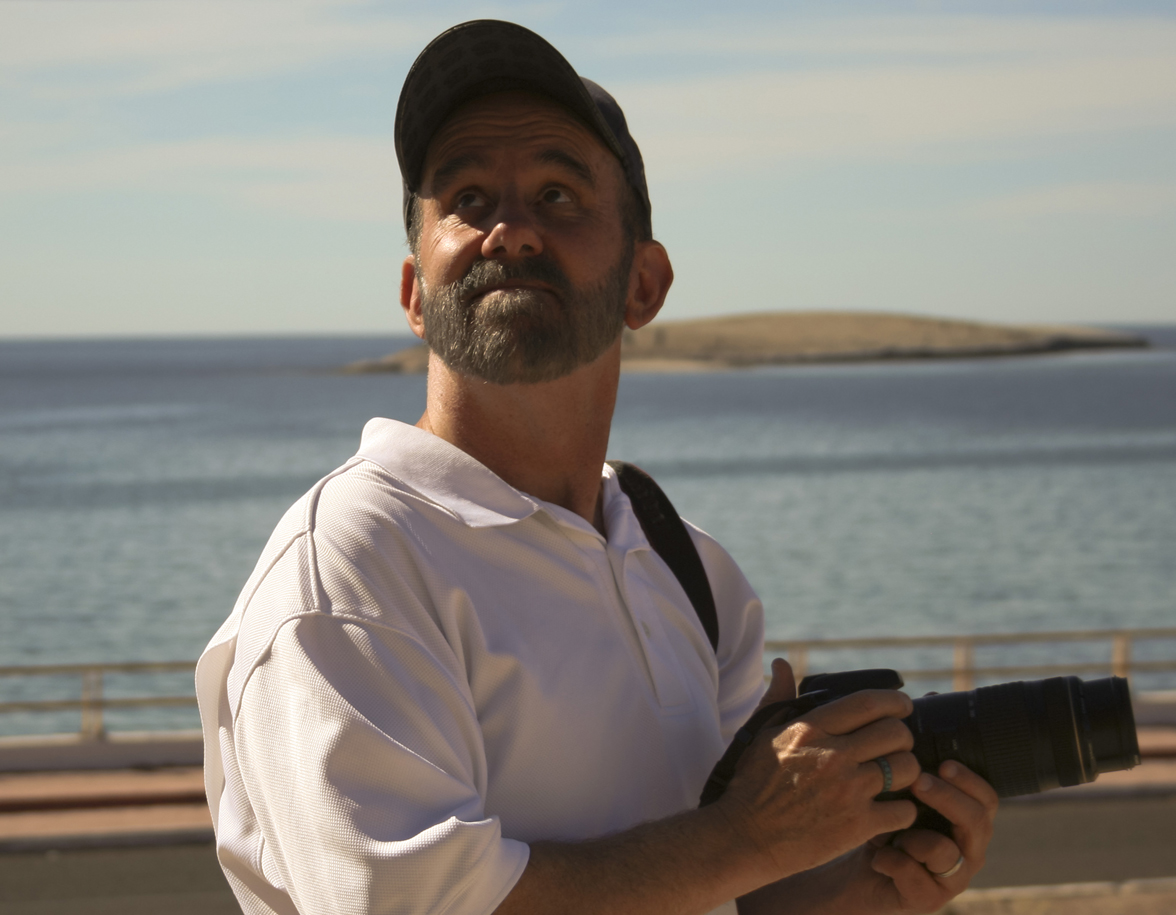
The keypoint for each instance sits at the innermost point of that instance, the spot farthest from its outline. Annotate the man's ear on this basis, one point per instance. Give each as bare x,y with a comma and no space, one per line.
649,282
410,296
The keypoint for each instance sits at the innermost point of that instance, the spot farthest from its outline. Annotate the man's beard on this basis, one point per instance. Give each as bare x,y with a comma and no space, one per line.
520,336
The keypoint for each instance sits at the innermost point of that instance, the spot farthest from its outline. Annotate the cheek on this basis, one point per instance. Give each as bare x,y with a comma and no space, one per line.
447,255
590,264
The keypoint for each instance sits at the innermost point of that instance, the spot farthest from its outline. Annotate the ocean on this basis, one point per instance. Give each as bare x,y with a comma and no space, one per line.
139,480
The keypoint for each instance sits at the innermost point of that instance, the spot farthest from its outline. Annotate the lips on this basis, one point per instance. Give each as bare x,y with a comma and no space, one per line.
538,273
484,291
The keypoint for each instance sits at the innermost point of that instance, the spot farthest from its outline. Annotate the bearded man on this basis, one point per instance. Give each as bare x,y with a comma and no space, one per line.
460,679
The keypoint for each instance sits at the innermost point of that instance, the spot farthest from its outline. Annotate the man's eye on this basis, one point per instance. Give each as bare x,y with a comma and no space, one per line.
555,195
469,199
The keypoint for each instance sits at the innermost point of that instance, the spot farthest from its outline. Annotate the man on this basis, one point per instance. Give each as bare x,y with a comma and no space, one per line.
460,680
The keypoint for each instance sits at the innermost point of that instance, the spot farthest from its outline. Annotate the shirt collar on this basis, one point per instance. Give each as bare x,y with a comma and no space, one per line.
625,533
450,478
624,530
443,474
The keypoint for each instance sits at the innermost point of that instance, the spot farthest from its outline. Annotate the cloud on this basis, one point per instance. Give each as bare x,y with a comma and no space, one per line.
53,51
841,87
807,40
31,138
777,92
64,48
1108,199
334,178
688,127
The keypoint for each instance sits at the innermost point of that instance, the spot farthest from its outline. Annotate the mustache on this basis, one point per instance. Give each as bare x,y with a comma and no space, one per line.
485,274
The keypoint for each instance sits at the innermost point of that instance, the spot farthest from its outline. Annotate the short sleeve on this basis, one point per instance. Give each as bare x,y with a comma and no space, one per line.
362,758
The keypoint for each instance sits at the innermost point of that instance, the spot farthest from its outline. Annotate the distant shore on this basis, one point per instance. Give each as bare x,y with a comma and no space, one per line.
780,338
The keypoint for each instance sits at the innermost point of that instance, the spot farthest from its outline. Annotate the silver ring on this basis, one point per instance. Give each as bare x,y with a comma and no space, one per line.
887,775
951,871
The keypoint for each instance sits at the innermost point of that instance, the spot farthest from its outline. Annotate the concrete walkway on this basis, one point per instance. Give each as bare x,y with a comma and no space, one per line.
131,841
1132,897
59,810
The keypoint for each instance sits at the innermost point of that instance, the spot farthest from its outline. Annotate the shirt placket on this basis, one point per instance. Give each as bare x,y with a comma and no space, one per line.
661,661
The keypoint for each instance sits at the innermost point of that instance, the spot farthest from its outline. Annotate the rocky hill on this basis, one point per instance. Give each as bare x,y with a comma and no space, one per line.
775,338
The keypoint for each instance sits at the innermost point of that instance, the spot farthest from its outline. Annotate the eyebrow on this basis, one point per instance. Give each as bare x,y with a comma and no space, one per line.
569,162
451,168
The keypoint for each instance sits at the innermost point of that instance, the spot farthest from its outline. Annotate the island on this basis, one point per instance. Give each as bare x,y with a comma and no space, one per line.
787,337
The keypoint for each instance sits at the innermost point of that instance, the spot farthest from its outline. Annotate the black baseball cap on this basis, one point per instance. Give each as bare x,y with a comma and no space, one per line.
488,55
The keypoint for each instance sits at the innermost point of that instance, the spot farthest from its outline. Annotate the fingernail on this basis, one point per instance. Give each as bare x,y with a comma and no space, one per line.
924,782
950,769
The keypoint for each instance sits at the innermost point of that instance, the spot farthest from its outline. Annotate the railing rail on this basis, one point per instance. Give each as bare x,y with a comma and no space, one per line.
92,700
963,670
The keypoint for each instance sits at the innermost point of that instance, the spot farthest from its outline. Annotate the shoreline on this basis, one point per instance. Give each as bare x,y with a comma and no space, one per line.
804,338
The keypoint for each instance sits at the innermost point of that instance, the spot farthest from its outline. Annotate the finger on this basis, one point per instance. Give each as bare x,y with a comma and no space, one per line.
892,816
933,850
915,885
879,738
846,715
904,769
783,685
959,775
971,816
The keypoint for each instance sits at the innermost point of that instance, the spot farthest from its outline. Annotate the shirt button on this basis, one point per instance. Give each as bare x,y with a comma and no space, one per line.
648,631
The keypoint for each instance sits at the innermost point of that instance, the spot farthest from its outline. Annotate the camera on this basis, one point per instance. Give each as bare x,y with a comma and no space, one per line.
1021,737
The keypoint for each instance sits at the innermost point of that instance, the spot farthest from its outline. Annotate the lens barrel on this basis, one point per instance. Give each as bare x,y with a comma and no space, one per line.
1030,736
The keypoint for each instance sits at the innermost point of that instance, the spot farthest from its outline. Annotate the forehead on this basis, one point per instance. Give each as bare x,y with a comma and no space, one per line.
519,122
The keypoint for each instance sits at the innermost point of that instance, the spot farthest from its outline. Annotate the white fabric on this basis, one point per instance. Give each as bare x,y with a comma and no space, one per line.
429,669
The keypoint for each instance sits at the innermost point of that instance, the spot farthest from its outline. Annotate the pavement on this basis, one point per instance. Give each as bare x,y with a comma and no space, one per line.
140,840
59,810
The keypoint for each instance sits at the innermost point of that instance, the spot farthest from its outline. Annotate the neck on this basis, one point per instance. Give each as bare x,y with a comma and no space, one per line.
548,439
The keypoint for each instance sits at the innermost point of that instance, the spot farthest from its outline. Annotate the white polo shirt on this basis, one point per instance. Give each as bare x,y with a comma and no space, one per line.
429,669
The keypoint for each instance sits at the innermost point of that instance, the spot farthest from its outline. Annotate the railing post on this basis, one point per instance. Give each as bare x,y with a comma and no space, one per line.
92,725
963,662
1121,654
798,658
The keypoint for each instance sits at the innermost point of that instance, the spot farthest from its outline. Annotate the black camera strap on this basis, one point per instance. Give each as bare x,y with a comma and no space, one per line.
667,534
776,714
815,689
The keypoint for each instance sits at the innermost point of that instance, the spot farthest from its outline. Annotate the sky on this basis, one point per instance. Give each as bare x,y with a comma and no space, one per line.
174,167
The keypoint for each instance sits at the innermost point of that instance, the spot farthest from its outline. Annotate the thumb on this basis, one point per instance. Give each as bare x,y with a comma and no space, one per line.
783,685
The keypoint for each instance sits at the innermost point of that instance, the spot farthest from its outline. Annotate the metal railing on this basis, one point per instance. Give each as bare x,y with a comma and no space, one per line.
92,701
1120,658
963,672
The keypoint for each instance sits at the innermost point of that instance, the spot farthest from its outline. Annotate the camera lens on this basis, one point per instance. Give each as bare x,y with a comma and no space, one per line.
1030,736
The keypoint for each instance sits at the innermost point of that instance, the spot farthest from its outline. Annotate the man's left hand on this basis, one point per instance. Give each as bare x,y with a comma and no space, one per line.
906,867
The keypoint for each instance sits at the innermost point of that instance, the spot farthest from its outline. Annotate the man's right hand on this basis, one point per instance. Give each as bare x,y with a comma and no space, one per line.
804,793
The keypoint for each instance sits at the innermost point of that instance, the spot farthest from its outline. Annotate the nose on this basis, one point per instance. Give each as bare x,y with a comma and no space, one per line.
515,233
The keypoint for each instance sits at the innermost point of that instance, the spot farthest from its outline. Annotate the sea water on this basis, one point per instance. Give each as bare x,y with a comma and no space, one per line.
139,480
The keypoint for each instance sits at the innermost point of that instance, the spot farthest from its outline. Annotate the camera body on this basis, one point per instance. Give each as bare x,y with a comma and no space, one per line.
1021,737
